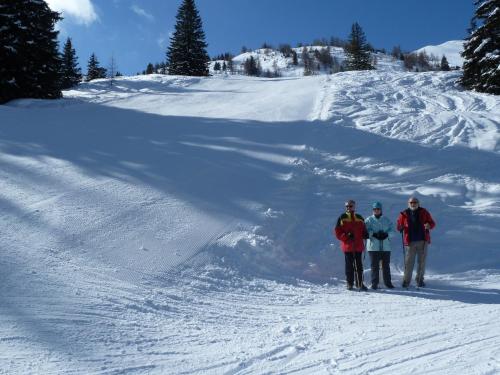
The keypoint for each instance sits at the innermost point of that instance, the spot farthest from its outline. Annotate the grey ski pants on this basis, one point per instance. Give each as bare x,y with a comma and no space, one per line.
418,249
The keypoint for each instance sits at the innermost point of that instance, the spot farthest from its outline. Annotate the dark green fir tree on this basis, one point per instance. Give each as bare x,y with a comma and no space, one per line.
94,70
482,49
30,62
251,67
150,69
357,50
444,66
187,53
71,73
9,51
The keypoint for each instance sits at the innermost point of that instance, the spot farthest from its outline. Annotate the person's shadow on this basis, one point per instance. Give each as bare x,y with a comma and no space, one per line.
441,290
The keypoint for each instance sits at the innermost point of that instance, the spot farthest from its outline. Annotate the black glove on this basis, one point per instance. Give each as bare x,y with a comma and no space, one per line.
382,235
350,235
376,235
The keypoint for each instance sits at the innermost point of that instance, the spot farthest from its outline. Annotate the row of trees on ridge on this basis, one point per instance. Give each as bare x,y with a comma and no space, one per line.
32,66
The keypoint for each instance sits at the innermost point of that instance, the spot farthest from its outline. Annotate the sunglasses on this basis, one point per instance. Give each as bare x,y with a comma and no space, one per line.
349,205
413,202
376,209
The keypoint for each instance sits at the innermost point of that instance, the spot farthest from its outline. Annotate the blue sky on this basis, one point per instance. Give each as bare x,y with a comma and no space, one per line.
137,31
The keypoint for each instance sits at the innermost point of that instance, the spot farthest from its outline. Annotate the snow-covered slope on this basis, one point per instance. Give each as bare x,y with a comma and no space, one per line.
183,225
274,61
451,49
425,108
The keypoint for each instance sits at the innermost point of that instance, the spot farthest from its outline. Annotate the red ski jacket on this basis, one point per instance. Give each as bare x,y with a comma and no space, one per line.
403,224
354,224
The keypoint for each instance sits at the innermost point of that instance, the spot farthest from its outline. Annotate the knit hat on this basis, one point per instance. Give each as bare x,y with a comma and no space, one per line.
377,205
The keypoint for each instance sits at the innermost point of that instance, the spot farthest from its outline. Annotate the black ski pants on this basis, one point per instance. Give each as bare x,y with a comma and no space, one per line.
353,265
385,257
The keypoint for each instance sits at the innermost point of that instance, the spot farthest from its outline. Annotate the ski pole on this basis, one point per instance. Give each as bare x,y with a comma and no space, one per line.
404,253
355,267
380,248
355,264
362,269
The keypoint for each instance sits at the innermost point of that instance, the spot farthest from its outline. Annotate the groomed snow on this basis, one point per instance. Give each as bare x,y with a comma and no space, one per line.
183,226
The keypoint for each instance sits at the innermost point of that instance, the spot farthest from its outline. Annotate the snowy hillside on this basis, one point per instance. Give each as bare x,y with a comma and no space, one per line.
274,61
173,225
451,49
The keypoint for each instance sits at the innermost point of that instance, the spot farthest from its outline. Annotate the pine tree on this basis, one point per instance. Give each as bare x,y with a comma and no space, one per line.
217,66
71,73
9,50
325,57
42,55
357,50
30,60
187,53
42,52
150,69
94,70
230,65
286,50
307,61
251,67
163,68
482,49
445,66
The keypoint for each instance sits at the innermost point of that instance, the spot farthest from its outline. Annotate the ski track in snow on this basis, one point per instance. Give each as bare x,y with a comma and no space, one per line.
417,108
183,226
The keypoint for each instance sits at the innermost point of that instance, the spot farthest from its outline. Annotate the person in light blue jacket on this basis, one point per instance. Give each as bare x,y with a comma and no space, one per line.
380,231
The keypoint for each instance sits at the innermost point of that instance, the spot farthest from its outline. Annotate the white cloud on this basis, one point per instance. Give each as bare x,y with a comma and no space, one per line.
141,12
81,10
164,39
161,41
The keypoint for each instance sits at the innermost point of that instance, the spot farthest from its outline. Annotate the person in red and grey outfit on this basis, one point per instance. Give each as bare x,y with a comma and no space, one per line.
351,232
415,223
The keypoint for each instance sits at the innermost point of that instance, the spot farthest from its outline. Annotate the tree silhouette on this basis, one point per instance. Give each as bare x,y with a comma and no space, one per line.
187,53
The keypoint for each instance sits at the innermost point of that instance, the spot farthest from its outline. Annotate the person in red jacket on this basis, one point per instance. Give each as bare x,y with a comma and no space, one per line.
350,230
415,223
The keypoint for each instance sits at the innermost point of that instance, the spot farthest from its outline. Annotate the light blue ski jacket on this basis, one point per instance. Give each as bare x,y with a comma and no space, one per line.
374,225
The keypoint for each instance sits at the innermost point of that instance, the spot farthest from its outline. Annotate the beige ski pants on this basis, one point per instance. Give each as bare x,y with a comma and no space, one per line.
418,249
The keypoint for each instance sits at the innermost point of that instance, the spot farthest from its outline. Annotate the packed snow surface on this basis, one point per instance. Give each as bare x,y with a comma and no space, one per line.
173,225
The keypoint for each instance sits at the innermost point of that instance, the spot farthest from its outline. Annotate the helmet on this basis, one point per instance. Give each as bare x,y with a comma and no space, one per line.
377,205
